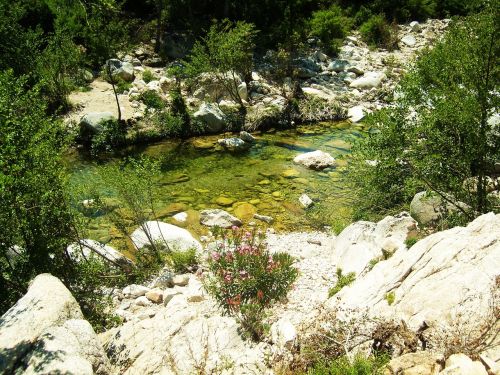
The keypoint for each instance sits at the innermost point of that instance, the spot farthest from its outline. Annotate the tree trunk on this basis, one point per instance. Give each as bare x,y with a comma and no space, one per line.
114,91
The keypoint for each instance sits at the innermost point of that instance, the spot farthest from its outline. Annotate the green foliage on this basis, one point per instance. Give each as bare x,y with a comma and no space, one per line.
331,26
121,86
245,278
152,100
227,53
445,100
342,281
112,135
409,242
359,365
132,183
148,76
34,216
183,261
390,298
376,31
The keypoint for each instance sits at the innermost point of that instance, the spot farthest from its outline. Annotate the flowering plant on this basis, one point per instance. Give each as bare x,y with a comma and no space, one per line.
245,277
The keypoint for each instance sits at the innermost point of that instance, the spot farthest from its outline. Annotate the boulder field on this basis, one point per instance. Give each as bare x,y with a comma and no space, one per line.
444,284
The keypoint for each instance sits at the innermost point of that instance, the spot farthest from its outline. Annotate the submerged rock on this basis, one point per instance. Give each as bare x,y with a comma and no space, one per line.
219,218
234,144
305,201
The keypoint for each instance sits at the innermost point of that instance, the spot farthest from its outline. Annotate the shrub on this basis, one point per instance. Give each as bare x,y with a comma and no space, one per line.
112,135
342,281
245,278
409,242
121,85
148,76
377,32
390,298
152,100
331,26
360,365
183,261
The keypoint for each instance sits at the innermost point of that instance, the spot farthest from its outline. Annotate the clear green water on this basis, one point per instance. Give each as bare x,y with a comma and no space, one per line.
262,180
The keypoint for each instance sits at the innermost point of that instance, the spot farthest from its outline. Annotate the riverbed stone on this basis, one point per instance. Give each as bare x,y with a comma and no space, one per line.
224,201
368,80
305,201
211,115
245,211
234,144
171,236
219,218
315,160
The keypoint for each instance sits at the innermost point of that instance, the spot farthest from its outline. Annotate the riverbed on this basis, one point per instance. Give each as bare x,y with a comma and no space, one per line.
198,174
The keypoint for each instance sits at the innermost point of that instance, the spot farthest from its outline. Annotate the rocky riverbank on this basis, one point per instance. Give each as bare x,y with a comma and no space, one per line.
360,80
433,305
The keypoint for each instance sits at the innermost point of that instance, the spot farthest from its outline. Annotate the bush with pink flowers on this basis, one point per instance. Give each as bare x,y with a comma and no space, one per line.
245,278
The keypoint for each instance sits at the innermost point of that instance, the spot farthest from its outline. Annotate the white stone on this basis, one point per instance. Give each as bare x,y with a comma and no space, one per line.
247,137
143,301
442,277
44,332
409,40
315,160
243,91
460,364
368,80
134,291
219,218
87,248
234,144
155,295
180,280
363,241
181,217
415,26
168,294
211,116
356,113
305,201
283,333
173,237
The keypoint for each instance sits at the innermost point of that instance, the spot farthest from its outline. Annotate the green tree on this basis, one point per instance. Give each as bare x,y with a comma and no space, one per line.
227,53
35,220
440,135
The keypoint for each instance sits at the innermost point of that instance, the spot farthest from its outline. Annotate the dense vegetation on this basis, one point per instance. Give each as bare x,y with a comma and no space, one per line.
439,136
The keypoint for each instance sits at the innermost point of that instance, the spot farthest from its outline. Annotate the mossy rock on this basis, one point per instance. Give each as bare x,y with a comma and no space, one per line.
244,211
224,201
171,209
290,173
264,182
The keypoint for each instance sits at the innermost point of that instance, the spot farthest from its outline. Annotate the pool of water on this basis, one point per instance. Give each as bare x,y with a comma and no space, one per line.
197,174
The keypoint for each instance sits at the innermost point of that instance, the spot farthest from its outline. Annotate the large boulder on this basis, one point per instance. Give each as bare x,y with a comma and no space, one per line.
356,113
85,249
44,333
364,241
368,80
315,160
211,116
91,123
447,279
338,66
121,70
173,237
219,218
234,144
428,208
419,363
187,336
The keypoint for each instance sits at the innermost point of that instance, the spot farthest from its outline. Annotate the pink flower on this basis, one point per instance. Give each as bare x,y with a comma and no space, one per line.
228,277
234,228
244,274
229,257
247,235
215,256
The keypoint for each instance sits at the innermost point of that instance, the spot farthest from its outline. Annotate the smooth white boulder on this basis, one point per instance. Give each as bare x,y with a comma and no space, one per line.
219,218
356,113
173,237
211,116
315,160
368,80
